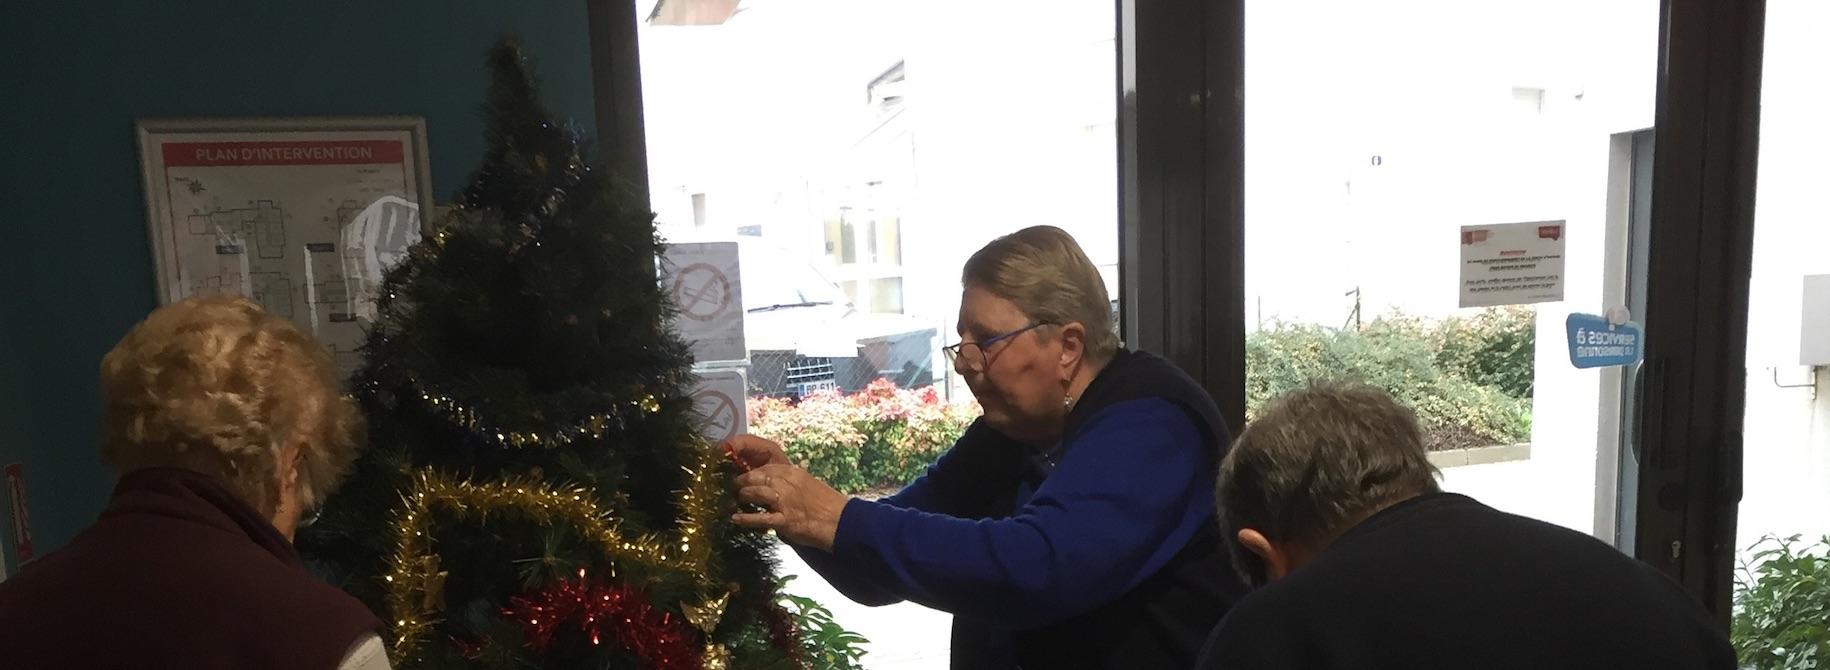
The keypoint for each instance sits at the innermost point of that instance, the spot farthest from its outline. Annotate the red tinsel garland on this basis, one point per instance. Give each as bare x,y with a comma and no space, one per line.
613,611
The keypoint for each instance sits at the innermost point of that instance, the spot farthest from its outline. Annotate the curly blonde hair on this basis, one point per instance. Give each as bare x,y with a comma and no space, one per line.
217,385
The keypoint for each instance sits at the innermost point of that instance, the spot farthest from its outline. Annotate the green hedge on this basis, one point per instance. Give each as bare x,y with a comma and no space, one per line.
1468,378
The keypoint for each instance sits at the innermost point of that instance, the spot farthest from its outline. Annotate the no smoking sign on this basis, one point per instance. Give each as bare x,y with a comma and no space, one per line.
702,292
704,282
719,400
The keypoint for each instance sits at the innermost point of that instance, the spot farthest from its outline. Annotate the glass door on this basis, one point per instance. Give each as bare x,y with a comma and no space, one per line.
1433,189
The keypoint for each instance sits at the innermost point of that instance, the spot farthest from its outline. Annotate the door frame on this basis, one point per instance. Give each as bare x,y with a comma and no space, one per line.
1707,134
1181,160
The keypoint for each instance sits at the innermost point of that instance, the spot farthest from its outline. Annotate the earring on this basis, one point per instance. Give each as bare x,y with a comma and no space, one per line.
1067,400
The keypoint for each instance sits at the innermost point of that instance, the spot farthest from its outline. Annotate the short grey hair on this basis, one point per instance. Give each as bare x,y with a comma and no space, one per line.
1045,272
1319,460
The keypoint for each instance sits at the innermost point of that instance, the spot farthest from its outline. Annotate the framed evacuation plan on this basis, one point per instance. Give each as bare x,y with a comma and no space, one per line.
302,215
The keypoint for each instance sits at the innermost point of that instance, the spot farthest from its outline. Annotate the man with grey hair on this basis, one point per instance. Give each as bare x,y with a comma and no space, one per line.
1363,562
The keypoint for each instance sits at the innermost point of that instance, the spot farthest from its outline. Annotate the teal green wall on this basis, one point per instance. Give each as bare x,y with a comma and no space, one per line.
75,268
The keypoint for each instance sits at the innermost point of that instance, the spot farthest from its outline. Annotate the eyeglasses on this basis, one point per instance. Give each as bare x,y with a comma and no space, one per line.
976,356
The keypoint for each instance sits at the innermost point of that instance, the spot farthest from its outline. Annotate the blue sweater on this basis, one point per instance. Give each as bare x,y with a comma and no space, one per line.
1127,496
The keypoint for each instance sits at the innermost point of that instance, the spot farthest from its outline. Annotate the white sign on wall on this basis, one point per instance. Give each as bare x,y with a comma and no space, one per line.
1512,263
702,280
719,399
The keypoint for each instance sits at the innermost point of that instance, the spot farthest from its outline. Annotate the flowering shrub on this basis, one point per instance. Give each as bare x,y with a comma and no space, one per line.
883,436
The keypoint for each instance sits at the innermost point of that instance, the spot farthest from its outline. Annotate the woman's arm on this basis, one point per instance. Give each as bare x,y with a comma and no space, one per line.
1133,489
961,482
969,479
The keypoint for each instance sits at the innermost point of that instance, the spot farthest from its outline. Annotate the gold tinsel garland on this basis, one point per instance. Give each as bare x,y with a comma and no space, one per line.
415,583
467,417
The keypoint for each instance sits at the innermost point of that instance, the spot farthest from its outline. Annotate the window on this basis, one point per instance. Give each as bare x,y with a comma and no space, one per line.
1786,439
1373,135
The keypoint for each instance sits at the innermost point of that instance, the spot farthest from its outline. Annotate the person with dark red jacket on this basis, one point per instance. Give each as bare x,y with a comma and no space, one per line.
227,425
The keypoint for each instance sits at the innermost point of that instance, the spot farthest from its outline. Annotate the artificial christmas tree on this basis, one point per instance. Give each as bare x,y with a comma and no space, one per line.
536,492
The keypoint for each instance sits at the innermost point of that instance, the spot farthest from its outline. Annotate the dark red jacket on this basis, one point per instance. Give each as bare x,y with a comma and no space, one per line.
177,573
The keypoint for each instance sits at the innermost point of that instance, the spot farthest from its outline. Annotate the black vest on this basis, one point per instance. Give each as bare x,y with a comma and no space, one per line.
1163,621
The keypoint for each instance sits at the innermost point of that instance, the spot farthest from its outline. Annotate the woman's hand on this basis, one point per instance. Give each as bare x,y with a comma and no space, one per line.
801,508
754,452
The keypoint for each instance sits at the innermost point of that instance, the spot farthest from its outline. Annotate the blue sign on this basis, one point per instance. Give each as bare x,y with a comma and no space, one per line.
1595,343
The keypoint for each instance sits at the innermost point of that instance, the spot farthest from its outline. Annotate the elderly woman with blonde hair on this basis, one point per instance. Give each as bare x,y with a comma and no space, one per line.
1070,527
227,426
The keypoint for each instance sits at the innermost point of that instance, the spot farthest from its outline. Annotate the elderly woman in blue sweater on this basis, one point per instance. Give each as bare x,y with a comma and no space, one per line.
1070,527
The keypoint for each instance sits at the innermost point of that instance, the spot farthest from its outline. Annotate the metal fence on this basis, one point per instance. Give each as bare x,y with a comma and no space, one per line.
911,360
788,374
